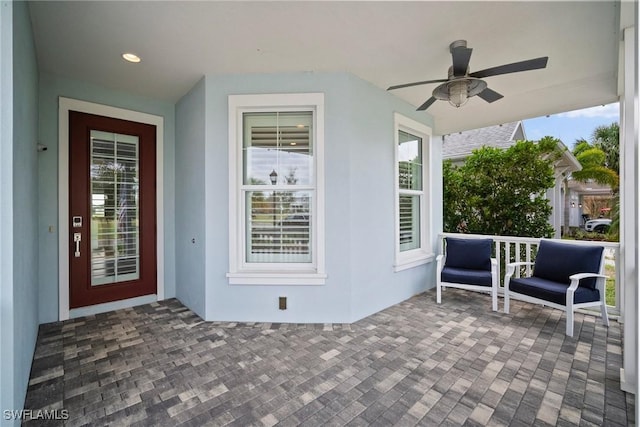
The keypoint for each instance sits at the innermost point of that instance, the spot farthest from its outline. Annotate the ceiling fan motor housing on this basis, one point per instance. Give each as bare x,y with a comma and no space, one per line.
457,43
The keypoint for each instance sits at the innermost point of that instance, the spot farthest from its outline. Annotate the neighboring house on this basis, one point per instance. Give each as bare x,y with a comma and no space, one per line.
270,159
458,146
583,200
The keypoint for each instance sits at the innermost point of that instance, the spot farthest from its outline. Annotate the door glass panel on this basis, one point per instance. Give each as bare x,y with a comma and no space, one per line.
115,243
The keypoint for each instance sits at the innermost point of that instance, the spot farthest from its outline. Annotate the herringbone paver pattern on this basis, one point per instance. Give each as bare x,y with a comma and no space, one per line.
416,363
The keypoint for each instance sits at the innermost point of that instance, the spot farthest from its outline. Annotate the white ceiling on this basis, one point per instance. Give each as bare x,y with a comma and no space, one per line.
385,43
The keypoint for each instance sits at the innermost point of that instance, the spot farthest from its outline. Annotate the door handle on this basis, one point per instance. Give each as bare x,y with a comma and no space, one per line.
77,237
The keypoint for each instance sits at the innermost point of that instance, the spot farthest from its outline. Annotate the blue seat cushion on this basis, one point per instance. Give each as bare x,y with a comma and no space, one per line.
466,277
470,254
557,261
551,291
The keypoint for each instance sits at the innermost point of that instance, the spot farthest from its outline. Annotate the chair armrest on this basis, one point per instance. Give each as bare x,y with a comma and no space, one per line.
440,261
495,280
580,276
520,263
575,279
494,266
511,267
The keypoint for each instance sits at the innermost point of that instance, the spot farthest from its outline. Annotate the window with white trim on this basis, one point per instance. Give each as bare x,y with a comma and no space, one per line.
412,142
276,189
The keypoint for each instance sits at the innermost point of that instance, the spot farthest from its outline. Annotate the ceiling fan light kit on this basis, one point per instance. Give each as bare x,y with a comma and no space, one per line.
458,91
462,85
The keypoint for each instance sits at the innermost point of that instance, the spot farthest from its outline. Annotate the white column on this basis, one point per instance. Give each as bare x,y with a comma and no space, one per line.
629,236
9,382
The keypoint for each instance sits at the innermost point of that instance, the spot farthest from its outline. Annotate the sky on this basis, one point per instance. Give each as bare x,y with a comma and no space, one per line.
572,125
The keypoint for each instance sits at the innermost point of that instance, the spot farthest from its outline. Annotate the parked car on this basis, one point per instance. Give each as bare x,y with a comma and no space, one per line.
599,225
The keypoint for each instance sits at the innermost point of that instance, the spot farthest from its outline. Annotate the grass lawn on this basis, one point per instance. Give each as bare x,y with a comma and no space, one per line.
610,292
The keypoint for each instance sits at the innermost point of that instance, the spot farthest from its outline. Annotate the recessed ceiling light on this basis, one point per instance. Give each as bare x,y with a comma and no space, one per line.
131,57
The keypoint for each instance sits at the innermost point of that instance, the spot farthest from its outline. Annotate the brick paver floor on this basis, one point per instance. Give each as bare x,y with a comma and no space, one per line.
416,363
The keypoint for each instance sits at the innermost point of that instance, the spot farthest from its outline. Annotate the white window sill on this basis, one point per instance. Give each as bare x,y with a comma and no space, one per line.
415,260
303,279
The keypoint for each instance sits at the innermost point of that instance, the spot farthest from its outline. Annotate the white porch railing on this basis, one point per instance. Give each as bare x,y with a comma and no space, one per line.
524,249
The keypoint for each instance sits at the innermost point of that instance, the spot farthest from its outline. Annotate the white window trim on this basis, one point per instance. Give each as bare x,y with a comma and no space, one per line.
412,258
241,273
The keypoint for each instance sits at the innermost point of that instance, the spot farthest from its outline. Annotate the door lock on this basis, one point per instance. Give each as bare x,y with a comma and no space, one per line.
77,237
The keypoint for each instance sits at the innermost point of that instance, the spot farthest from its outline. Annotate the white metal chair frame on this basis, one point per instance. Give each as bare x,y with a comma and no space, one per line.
493,289
570,307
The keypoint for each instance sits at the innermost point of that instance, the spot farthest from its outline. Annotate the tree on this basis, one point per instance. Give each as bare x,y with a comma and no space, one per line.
599,159
502,192
607,138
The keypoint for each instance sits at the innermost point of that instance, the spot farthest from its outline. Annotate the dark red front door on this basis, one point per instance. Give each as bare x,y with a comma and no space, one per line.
112,207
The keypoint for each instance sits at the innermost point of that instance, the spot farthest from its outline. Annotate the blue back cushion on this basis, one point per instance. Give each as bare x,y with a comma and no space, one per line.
470,254
558,261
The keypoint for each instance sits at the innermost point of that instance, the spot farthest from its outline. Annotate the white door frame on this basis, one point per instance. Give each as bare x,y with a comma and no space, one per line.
66,105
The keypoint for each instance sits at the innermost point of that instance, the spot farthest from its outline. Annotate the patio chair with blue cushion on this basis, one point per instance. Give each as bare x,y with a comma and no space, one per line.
565,276
467,264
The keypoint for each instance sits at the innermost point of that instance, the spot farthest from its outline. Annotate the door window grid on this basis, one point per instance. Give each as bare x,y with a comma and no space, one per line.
115,245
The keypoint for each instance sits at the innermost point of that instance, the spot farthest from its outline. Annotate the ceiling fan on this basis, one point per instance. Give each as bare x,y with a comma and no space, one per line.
462,85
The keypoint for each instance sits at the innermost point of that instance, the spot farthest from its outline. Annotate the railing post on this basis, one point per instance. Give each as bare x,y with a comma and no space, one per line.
619,289
499,260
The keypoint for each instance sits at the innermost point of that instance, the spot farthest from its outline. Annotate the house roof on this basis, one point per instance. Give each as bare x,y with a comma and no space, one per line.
384,43
460,145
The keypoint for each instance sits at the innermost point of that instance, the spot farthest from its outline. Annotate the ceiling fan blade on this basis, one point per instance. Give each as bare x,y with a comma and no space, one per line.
490,95
461,56
416,84
531,64
427,104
